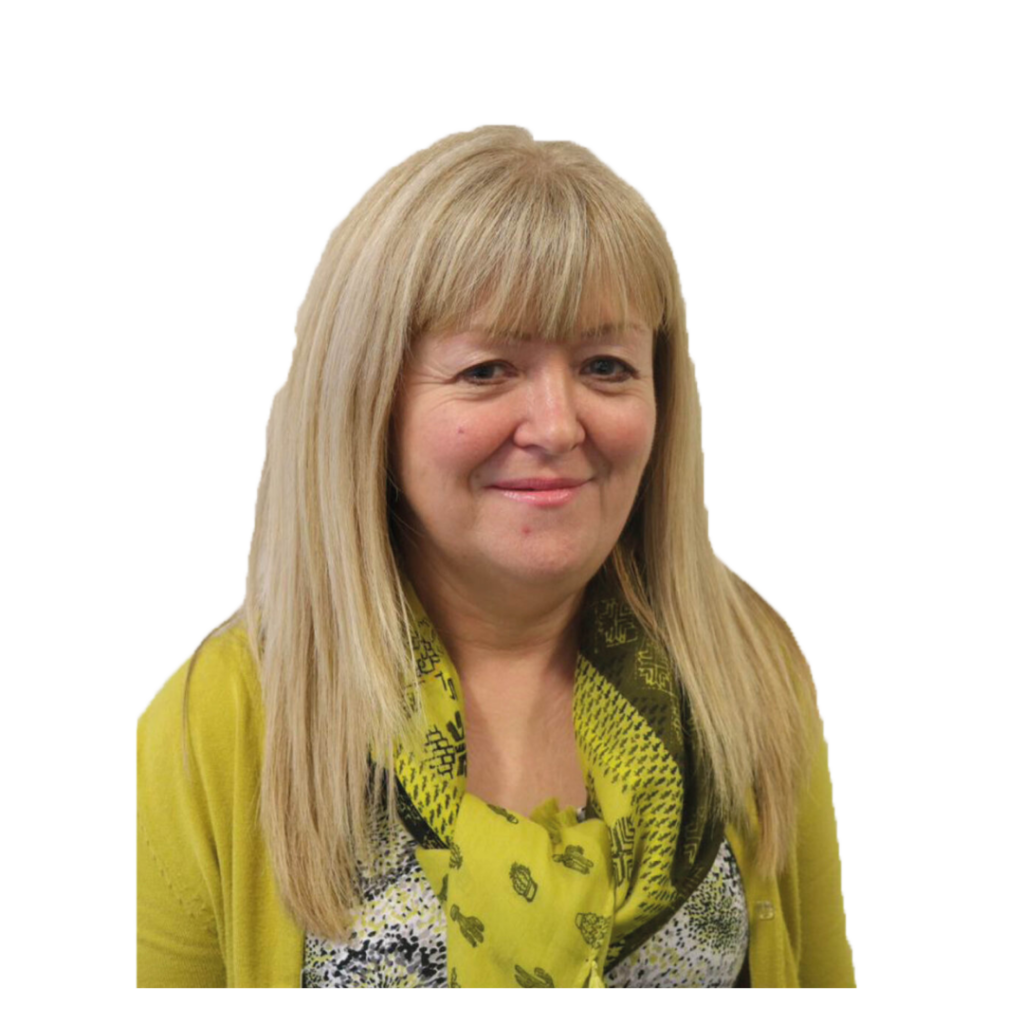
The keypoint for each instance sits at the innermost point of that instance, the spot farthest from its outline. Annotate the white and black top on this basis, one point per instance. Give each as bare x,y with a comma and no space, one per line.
399,937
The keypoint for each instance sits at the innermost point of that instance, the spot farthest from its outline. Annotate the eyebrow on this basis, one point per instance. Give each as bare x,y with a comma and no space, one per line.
601,331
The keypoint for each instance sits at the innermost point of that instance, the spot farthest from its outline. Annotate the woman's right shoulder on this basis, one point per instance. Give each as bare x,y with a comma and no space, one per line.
223,705
187,816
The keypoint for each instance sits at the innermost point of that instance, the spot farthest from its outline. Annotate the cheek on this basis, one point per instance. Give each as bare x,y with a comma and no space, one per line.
628,438
469,446
441,450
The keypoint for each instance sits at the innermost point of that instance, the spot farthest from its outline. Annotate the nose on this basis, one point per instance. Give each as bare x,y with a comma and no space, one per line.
550,418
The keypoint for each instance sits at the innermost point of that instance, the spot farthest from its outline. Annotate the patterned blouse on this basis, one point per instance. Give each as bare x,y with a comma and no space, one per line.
399,937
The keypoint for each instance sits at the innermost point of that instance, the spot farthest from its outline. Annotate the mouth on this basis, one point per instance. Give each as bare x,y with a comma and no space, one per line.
540,493
539,483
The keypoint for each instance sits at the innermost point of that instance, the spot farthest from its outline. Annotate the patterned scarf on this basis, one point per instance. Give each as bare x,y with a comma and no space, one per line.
548,901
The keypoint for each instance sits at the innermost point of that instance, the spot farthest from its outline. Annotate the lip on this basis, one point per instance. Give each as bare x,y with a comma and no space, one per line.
540,493
538,483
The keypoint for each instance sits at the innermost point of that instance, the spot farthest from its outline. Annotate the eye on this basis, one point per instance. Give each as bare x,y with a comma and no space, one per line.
623,375
479,380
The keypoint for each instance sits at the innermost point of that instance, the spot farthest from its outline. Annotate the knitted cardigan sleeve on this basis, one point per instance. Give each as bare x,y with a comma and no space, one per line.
823,953
180,923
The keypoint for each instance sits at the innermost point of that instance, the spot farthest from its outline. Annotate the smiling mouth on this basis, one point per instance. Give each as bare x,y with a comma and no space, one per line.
539,484
542,494
540,490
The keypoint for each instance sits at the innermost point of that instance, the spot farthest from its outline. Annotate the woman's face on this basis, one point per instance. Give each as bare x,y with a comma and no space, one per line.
519,460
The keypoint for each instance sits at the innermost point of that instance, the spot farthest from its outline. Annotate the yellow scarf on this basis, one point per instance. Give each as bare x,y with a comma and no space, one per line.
548,901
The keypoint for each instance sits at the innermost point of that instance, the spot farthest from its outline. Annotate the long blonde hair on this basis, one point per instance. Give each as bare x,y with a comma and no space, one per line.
539,228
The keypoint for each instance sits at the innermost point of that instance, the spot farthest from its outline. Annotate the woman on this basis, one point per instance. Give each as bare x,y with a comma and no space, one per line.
492,712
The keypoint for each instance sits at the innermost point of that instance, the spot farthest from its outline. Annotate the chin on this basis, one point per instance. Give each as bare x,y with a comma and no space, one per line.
546,573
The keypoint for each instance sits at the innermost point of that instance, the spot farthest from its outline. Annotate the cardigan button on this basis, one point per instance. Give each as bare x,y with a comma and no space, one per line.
764,909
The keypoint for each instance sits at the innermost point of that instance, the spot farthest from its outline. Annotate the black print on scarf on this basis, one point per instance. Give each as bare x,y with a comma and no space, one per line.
623,834
505,814
427,655
449,686
592,795
593,928
446,756
522,882
542,979
573,858
472,927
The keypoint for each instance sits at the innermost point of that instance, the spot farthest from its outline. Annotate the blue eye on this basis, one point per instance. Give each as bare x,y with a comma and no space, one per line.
620,377
480,380
626,372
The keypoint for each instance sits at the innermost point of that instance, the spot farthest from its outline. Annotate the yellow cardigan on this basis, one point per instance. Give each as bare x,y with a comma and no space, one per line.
209,914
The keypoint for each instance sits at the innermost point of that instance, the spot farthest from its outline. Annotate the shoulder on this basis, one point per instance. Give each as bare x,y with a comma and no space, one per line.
219,677
219,688
187,816
816,812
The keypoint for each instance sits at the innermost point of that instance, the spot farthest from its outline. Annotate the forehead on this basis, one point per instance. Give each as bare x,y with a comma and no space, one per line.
478,336
601,330
598,320
596,316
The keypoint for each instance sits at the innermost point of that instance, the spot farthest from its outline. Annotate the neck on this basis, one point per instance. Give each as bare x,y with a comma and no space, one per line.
500,630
